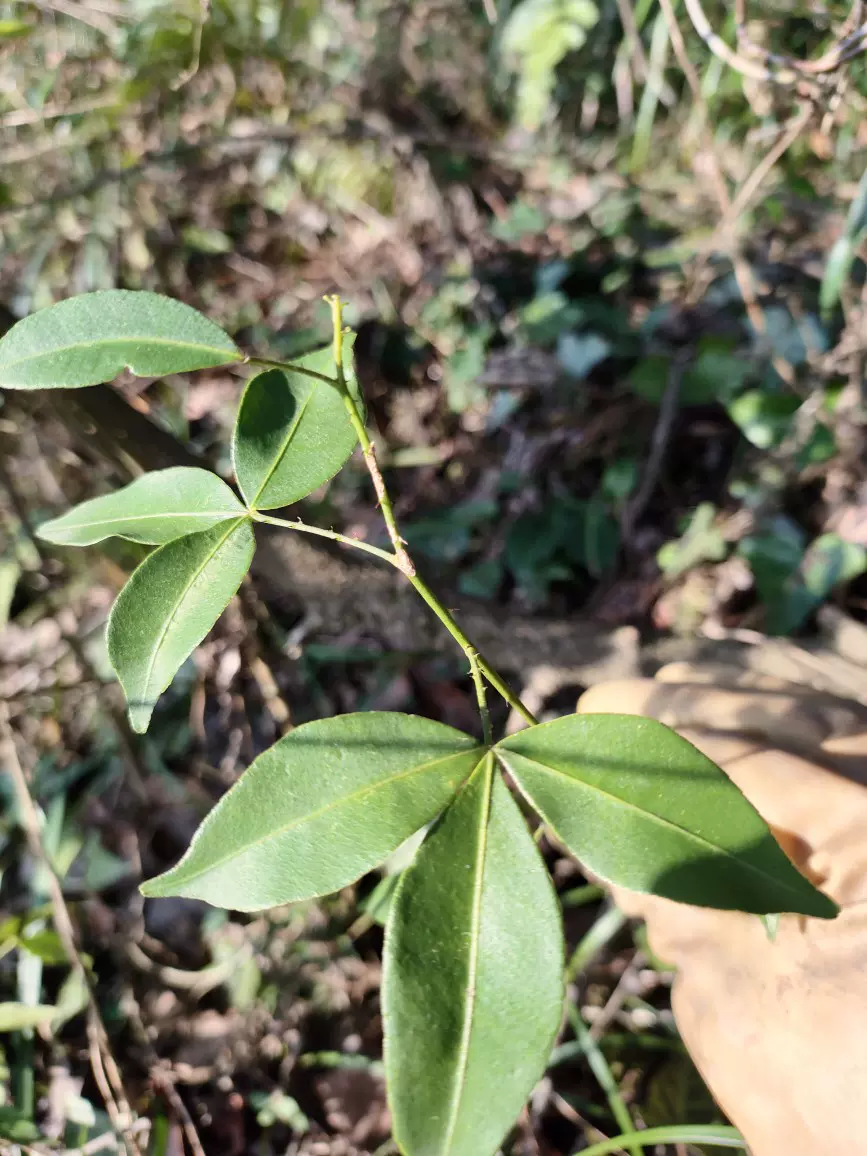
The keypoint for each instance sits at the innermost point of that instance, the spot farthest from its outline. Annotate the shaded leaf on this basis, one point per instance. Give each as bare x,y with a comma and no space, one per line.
15,1125
15,1016
578,353
702,541
292,432
154,509
168,606
642,808
837,270
10,572
829,562
89,339
764,418
472,986
324,805
46,945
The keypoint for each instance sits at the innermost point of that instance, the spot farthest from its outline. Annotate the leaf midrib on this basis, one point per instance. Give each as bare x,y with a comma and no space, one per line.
310,816
167,341
111,521
278,458
473,963
171,618
659,819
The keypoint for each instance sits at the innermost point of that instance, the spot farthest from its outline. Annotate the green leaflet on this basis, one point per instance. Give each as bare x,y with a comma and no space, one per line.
168,606
154,509
292,432
472,985
642,808
324,805
89,339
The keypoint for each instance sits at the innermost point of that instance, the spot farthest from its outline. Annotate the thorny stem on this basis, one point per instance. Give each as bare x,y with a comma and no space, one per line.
404,561
400,559
304,528
267,363
481,696
458,635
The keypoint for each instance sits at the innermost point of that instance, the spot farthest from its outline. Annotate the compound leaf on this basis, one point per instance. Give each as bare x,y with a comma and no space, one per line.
89,339
154,509
292,432
168,606
642,808
472,986
324,805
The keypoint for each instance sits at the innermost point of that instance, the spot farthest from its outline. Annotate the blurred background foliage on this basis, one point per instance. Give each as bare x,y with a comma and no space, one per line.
612,327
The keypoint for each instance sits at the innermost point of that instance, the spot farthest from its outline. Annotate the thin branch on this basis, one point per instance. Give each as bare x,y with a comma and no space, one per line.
105,1069
290,367
25,116
198,32
333,535
668,407
481,695
402,558
751,185
742,271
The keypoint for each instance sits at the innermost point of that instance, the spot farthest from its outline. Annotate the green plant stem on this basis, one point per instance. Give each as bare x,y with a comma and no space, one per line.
304,528
266,363
404,561
399,558
604,1077
716,1136
481,695
466,645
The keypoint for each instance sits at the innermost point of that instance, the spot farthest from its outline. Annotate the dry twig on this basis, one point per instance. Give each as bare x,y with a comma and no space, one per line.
105,1069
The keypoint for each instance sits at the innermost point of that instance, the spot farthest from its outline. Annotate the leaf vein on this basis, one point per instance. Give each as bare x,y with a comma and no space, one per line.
649,815
473,965
107,343
180,600
343,800
278,458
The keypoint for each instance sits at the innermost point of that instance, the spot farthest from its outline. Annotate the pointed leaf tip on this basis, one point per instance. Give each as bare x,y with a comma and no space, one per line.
168,606
154,509
324,805
644,809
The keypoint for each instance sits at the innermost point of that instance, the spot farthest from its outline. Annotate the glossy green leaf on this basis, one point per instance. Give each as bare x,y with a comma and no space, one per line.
292,433
168,606
836,275
154,509
641,807
15,1016
472,985
324,805
89,339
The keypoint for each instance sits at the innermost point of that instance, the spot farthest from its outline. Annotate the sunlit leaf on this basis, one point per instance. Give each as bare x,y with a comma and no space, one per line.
89,339
641,807
472,987
15,1016
324,805
168,606
292,432
154,509
10,572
